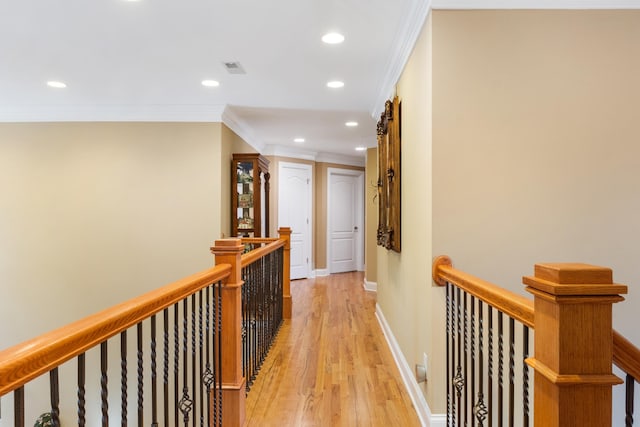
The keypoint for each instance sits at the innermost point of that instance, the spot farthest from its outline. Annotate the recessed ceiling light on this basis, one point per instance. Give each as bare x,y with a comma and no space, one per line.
333,38
298,140
361,148
351,124
210,83
335,84
56,84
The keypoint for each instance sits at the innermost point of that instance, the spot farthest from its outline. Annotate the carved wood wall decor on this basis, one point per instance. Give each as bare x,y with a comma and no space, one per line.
388,234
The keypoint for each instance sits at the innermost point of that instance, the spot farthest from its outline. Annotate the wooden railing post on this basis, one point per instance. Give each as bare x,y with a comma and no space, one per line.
229,251
285,233
573,344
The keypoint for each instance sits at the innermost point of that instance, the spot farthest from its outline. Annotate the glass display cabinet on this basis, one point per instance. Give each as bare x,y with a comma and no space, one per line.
249,195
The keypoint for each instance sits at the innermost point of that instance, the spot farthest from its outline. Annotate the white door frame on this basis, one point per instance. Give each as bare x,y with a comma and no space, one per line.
309,244
359,214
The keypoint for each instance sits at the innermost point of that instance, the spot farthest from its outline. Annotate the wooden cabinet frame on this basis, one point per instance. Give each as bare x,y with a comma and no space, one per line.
388,128
249,201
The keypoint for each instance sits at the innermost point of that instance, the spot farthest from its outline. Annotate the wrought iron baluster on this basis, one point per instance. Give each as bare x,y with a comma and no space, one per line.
176,361
473,357
18,407
185,402
54,391
512,346
200,356
123,378
490,366
449,373
104,392
525,376
480,409
500,368
207,377
194,378
630,385
140,375
165,365
465,354
154,375
81,391
458,381
219,388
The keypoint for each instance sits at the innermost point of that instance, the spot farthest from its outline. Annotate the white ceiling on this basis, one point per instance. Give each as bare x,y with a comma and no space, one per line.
144,61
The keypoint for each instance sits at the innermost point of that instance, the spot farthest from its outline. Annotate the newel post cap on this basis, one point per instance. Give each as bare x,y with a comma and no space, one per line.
227,246
572,279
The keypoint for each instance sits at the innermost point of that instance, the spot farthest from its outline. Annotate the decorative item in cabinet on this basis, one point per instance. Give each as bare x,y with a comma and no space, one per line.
249,195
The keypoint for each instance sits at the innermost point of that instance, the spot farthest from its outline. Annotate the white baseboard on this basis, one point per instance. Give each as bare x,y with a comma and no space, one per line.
370,286
415,393
321,272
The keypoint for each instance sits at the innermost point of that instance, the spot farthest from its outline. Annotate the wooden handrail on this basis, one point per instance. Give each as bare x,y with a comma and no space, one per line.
258,253
22,363
626,355
256,240
516,306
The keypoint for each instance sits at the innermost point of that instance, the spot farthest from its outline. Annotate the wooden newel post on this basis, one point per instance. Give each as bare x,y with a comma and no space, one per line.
285,233
573,344
229,251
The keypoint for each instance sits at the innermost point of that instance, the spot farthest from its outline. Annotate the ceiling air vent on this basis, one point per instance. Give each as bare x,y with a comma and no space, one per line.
234,68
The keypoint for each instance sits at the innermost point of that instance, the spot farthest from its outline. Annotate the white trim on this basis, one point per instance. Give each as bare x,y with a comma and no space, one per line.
370,286
112,113
320,272
414,18
299,153
427,419
359,215
535,4
241,129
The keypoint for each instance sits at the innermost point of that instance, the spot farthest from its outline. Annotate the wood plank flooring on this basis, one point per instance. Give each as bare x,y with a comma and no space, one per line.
330,364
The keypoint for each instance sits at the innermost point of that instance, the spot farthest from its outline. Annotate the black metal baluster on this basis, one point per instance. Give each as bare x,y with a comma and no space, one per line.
219,400
490,366
104,392
630,385
512,364
459,379
500,368
154,375
200,357
473,357
140,376
207,377
123,378
18,407
165,370
176,362
448,351
185,402
54,391
194,378
81,391
525,376
465,354
479,409
454,348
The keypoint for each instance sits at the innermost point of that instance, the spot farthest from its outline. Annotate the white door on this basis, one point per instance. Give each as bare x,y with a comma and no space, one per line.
294,210
345,220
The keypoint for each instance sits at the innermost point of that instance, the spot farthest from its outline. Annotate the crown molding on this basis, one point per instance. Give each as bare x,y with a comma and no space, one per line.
242,129
297,153
535,4
112,113
414,19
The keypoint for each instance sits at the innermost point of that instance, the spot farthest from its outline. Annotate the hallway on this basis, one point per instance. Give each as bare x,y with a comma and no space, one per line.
330,365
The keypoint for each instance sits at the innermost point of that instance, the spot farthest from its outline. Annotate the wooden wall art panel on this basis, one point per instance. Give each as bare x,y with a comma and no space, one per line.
388,235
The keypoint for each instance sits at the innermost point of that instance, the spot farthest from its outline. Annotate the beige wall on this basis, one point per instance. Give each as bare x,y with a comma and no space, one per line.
404,280
94,213
371,215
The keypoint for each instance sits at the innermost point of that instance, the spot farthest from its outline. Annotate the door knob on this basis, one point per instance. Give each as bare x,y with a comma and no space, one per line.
355,228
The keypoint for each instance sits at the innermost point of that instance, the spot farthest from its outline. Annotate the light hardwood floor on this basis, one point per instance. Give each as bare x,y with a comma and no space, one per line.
330,364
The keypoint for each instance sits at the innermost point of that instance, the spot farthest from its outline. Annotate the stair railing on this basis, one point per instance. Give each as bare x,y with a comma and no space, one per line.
176,354
574,343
